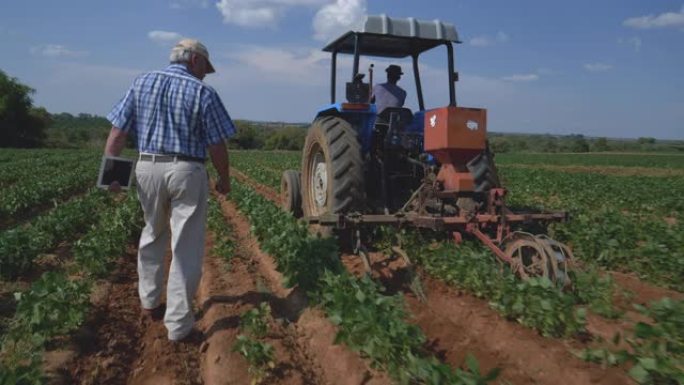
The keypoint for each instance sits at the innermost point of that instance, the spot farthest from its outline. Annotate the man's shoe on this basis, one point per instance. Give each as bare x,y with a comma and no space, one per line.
194,337
156,314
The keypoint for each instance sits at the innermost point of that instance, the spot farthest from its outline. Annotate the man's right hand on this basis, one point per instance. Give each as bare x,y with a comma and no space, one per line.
223,185
115,187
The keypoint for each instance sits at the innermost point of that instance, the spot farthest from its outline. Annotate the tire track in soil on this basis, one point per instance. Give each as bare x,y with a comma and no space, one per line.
457,323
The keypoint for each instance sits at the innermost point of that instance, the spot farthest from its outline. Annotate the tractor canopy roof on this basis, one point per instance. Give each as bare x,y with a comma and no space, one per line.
396,38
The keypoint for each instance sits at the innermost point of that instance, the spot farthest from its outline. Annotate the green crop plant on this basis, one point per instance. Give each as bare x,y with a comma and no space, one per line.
619,223
54,305
21,245
656,349
95,252
258,354
223,237
370,322
536,302
255,321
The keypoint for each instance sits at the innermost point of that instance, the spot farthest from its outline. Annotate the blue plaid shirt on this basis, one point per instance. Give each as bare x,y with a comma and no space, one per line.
172,112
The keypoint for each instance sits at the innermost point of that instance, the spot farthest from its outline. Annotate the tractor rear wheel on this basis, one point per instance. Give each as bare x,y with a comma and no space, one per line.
332,169
484,171
290,193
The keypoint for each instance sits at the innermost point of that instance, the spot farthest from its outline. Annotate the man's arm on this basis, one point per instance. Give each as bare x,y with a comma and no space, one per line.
219,158
116,141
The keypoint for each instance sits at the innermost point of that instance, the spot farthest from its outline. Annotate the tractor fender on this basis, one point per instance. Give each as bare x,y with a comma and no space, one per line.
362,120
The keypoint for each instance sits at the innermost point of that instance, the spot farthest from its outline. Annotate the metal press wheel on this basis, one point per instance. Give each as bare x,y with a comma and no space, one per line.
539,256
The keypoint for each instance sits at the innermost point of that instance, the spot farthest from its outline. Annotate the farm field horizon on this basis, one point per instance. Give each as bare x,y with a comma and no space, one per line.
280,305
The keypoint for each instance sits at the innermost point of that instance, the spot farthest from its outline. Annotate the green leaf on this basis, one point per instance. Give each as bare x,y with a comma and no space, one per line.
639,374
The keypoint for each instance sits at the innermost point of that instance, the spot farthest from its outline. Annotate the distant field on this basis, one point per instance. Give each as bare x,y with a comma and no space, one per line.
590,159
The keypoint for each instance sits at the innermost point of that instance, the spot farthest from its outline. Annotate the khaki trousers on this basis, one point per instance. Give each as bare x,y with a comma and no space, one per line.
173,196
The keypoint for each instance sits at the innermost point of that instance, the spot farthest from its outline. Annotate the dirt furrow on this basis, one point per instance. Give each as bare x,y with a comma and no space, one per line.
312,333
108,344
118,346
457,323
224,297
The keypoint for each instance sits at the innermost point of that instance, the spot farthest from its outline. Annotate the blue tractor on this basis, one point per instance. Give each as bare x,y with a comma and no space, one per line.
428,168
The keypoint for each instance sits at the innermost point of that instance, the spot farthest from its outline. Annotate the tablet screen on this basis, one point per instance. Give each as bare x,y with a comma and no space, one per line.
116,169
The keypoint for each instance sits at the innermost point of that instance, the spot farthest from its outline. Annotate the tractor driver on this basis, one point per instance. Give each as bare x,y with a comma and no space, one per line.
389,94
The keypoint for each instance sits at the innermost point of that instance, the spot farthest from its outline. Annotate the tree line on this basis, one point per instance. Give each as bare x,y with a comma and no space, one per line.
23,125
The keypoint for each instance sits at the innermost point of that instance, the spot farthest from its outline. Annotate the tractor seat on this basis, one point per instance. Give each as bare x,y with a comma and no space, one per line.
400,115
357,91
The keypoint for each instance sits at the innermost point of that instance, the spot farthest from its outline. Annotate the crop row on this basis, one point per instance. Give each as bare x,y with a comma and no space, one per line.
58,302
44,165
656,349
369,322
278,160
259,173
620,223
37,188
536,302
20,246
223,240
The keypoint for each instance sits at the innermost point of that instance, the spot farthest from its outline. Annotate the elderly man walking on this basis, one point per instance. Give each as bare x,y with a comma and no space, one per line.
176,119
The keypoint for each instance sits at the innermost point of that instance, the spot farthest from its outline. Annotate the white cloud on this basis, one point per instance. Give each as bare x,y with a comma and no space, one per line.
285,65
185,4
481,41
597,67
486,41
521,78
258,13
164,37
341,16
634,42
664,20
56,50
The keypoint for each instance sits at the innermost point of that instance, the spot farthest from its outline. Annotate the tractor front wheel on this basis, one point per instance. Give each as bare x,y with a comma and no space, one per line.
290,193
332,169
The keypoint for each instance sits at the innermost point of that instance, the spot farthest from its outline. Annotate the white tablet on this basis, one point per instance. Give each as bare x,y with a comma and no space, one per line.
118,169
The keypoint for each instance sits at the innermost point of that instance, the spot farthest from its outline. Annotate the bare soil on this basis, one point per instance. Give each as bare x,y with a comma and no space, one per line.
119,346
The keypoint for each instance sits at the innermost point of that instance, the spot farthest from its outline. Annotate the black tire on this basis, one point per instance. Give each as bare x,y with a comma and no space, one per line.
484,171
291,193
332,169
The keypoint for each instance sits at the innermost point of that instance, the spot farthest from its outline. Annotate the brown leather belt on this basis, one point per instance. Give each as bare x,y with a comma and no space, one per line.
162,158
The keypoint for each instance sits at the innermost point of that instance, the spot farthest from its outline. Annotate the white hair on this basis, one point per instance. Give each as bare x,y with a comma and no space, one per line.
180,56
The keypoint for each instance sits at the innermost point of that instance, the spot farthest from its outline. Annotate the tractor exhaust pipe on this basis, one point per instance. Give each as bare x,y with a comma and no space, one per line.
370,81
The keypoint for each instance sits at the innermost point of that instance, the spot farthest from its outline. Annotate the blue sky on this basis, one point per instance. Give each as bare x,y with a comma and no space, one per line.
600,68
